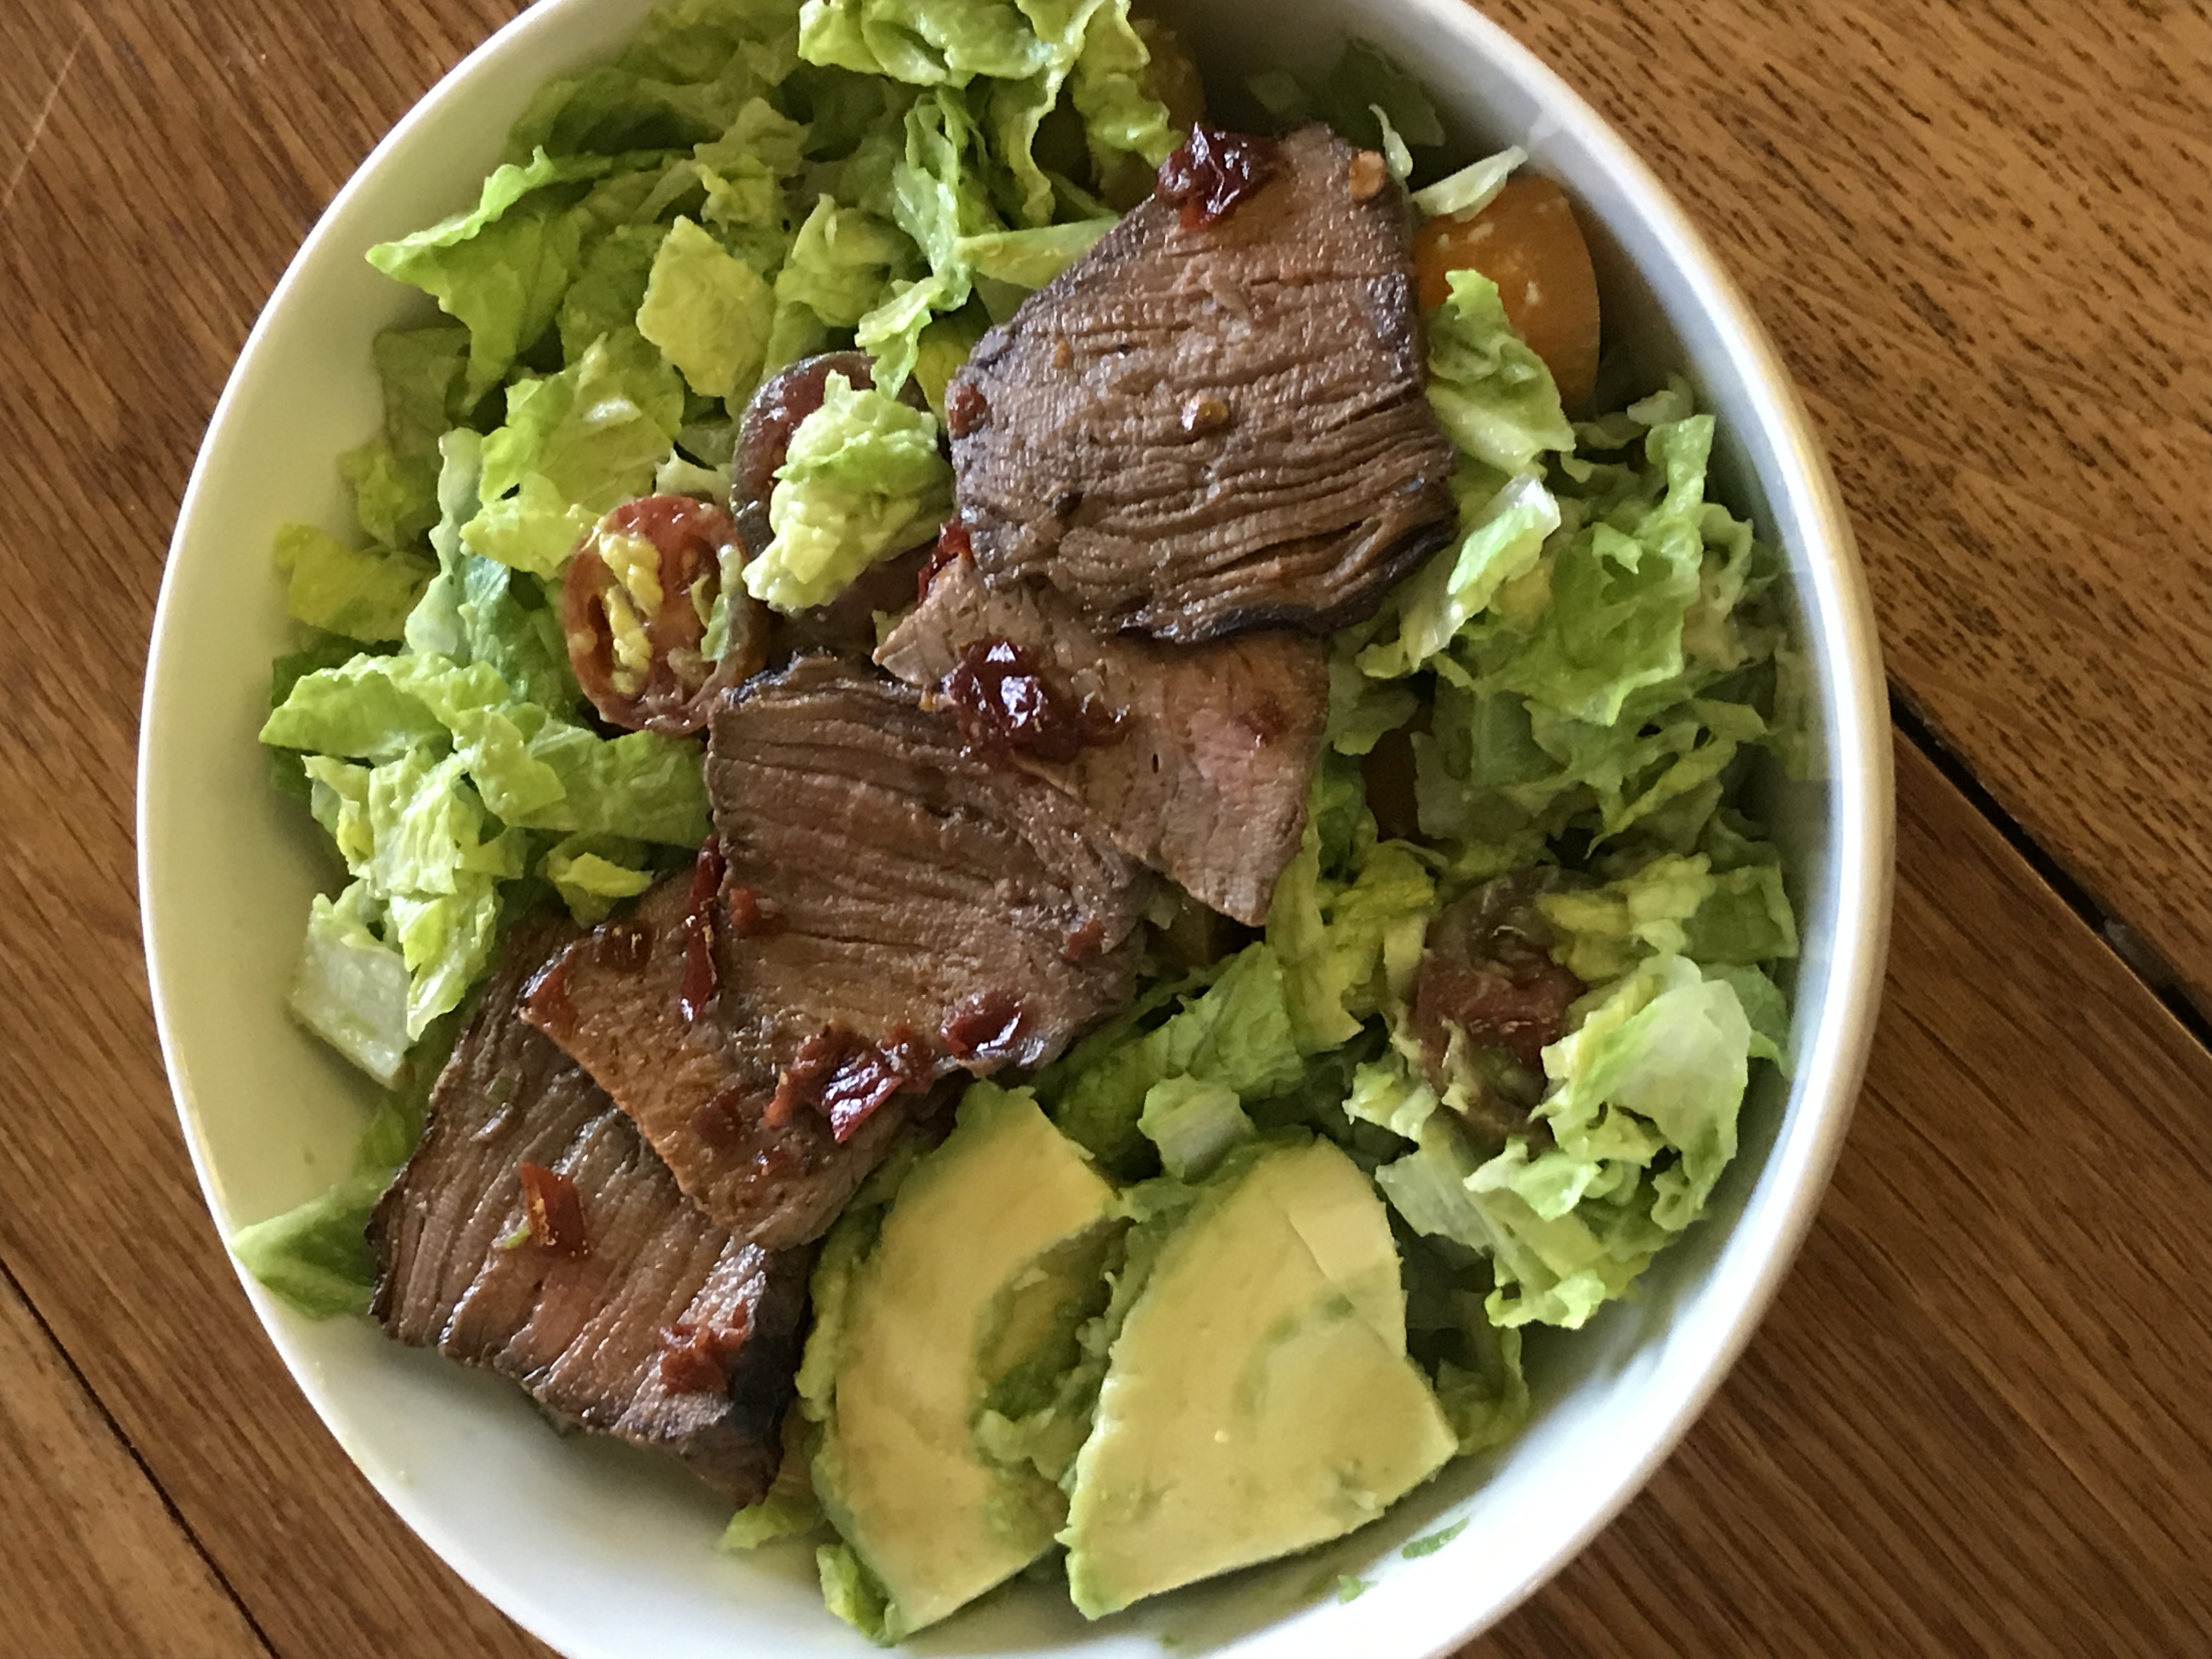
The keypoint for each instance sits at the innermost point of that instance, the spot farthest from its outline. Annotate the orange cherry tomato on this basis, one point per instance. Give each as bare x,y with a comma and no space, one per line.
1527,241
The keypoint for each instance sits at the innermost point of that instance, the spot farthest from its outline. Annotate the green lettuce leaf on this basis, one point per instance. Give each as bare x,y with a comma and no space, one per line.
1194,1123
840,262
1122,118
926,43
394,477
593,874
1492,393
1366,95
609,290
709,313
966,187
1676,905
574,445
317,1256
364,594
937,194
1471,189
681,81
743,171
945,345
502,267
350,987
1030,258
1474,1365
862,478
1499,539
533,770
775,1517
1612,685
1237,1033
1347,946
476,611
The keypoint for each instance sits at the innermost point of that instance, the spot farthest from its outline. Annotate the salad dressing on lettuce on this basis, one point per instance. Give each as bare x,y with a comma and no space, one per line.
1468,1062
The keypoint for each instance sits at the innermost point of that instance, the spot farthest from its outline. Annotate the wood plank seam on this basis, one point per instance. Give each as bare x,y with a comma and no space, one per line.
129,1448
2133,952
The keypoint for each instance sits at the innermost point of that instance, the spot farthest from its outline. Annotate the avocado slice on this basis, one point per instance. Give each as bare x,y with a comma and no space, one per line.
1259,1399
993,1249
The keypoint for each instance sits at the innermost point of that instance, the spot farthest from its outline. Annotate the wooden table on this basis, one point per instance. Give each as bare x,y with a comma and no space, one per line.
1979,1419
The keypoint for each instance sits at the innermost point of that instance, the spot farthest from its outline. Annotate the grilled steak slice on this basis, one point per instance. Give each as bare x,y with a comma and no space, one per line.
1204,776
894,912
696,1089
1195,431
591,1335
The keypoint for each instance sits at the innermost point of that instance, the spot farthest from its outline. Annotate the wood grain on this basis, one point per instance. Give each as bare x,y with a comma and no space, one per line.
1975,1421
96,1565
1977,231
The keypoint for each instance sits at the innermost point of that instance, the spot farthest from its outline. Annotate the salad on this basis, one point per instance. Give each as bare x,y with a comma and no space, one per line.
1041,806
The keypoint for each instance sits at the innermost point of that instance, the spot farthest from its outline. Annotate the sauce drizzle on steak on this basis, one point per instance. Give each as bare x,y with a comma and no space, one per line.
1213,745
567,1279
905,879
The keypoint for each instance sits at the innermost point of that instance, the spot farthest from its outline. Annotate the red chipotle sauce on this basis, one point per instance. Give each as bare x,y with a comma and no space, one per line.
953,542
553,1210
966,408
845,1077
984,1027
1213,173
695,1358
1005,705
700,978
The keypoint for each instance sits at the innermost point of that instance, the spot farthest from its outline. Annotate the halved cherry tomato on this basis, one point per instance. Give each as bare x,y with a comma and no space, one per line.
635,607
1527,241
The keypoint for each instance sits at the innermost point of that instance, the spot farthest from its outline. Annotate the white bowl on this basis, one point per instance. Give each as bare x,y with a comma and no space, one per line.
602,1551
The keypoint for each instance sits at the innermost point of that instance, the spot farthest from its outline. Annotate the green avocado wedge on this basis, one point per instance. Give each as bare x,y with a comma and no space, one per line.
991,1249
1259,1399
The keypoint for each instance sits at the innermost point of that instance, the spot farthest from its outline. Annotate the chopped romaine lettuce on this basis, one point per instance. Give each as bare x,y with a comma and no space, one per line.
573,445
862,479
317,1256
1499,539
593,874
1194,1123
1492,393
1642,1116
1347,946
501,268
1678,905
394,477
364,594
1471,189
350,988
1237,1033
708,311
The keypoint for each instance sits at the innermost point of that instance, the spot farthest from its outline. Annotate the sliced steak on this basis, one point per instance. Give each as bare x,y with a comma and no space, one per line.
697,1090
1198,429
894,912
1204,773
664,1329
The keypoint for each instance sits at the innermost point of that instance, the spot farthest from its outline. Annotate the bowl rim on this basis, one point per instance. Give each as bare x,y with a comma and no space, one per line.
1861,812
